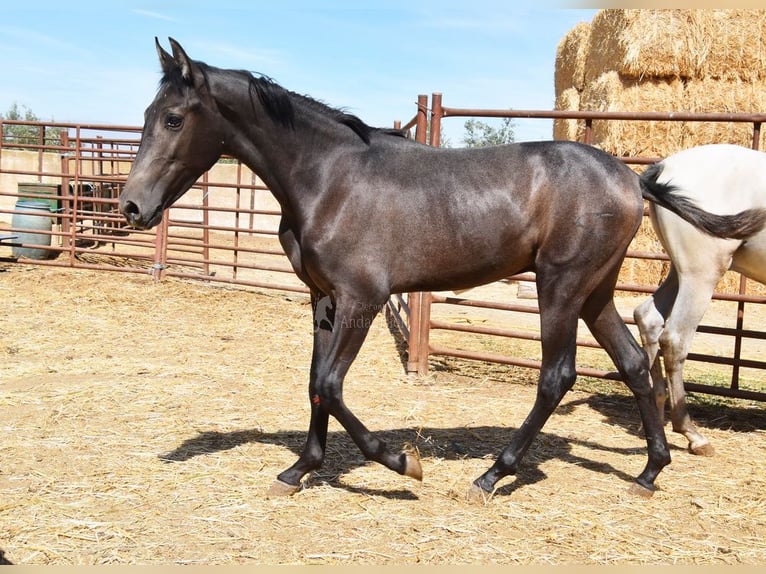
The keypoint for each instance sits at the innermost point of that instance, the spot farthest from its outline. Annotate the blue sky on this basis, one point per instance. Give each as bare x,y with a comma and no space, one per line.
95,62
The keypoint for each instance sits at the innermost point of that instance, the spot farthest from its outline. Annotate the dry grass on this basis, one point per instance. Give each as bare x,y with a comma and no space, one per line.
143,423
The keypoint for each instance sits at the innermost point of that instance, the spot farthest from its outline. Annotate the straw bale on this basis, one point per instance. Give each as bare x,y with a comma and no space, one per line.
644,271
735,41
724,44
612,93
571,55
573,130
722,96
642,43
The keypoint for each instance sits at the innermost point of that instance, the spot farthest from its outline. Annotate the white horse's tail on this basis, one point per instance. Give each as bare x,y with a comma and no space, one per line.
740,225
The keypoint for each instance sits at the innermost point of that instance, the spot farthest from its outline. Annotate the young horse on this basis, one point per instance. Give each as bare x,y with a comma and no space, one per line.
720,179
367,213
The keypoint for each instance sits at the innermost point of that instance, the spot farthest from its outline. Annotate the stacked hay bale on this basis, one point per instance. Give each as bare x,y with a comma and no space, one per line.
662,61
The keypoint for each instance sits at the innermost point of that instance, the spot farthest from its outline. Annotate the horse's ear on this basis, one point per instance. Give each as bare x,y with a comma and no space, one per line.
182,60
166,60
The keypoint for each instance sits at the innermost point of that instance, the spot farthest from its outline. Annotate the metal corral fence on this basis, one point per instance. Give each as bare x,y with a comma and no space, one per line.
59,189
60,183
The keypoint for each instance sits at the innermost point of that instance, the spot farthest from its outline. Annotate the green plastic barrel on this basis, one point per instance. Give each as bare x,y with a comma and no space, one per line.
30,218
34,188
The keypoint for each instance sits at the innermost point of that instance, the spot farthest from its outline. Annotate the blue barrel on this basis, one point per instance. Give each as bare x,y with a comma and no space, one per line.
30,217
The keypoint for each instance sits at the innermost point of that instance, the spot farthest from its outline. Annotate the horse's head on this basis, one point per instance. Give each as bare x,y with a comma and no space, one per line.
183,137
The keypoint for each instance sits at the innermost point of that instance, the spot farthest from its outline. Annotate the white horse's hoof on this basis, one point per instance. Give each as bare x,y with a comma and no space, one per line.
703,449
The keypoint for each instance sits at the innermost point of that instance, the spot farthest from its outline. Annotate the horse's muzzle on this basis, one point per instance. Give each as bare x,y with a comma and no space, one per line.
137,218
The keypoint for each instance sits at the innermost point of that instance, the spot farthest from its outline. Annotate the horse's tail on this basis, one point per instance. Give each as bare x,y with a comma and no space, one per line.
736,226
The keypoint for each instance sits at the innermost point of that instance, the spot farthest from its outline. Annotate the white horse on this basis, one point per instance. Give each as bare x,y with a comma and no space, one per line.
722,179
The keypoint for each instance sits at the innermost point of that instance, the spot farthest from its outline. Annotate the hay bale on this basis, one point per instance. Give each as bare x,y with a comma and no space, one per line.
720,44
642,43
611,92
722,96
571,56
735,44
572,130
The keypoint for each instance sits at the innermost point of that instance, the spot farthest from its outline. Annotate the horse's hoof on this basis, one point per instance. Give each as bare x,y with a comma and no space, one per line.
413,469
281,489
640,491
704,449
477,495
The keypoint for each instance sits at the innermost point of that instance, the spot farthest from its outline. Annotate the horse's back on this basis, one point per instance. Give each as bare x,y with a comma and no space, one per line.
488,213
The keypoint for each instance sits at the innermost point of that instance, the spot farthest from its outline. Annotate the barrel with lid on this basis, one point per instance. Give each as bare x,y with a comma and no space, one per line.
32,224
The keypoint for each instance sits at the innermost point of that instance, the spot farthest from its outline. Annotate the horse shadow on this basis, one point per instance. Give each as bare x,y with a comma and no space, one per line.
3,560
622,410
482,442
457,443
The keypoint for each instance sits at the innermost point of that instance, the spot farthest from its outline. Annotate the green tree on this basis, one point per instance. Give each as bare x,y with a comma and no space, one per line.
26,134
482,134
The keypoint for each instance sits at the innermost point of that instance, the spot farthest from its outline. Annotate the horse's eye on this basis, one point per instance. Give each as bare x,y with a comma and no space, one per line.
173,121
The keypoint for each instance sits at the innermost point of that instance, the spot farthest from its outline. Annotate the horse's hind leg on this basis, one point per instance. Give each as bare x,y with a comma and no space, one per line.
558,326
650,318
613,335
694,295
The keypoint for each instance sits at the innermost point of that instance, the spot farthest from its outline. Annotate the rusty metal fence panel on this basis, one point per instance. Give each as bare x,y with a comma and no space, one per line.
224,229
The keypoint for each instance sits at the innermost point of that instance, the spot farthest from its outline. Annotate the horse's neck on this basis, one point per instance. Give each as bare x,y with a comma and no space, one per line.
290,160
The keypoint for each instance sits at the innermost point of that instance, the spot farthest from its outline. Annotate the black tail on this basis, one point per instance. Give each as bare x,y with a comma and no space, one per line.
737,226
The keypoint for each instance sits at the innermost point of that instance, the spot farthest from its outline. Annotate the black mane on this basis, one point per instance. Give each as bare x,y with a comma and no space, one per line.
278,102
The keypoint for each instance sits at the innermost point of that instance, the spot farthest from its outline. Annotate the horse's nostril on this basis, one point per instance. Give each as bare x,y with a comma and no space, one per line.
131,211
130,208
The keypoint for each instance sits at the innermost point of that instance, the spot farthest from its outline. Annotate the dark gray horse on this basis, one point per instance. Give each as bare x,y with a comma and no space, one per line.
367,213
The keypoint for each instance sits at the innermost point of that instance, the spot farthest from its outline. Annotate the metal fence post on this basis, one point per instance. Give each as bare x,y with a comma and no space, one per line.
161,249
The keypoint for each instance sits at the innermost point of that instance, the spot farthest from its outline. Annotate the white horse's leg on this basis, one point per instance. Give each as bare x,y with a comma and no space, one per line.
650,318
694,294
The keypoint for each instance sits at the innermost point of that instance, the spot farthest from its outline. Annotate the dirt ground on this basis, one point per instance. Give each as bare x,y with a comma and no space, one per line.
142,423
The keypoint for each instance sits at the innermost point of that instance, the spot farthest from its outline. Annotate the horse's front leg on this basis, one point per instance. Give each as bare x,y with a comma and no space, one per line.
313,453
342,328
